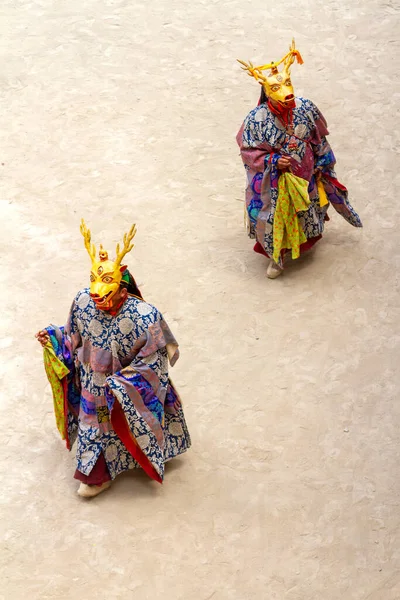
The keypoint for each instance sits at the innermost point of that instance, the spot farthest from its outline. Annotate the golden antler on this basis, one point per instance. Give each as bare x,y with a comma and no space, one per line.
288,59
128,237
87,236
292,55
252,71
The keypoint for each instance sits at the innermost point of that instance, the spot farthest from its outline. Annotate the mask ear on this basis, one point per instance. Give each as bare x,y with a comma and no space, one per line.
123,268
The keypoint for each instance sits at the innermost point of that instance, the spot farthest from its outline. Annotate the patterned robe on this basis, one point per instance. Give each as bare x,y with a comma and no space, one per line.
118,399
262,140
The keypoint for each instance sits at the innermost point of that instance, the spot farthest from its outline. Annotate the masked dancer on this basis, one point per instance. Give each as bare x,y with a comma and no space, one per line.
108,369
290,168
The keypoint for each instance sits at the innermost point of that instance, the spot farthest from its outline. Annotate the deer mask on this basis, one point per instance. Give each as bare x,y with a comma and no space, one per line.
106,275
277,85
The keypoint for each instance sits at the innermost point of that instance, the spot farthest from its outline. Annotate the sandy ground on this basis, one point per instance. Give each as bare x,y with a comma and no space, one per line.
122,111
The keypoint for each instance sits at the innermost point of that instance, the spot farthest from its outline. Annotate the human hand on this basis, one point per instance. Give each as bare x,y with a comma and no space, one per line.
283,163
42,337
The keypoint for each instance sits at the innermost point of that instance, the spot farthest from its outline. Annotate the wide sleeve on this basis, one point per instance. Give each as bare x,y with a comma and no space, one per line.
260,162
324,157
158,337
72,330
140,394
324,163
60,370
256,153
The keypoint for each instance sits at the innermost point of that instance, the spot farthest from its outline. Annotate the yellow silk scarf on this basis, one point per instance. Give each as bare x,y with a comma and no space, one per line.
292,198
56,371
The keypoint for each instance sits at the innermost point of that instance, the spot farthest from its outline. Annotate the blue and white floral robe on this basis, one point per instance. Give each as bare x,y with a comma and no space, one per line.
262,140
119,399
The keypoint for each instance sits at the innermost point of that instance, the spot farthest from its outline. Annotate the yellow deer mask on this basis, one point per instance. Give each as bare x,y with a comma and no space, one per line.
106,275
277,85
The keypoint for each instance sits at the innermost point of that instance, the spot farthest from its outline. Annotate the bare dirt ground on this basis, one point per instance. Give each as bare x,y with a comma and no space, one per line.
126,111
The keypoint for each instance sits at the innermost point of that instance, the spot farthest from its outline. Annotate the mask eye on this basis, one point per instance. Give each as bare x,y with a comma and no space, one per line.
92,277
107,279
288,82
275,87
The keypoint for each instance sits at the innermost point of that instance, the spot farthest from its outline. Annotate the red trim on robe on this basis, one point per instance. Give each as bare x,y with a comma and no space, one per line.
121,428
334,182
